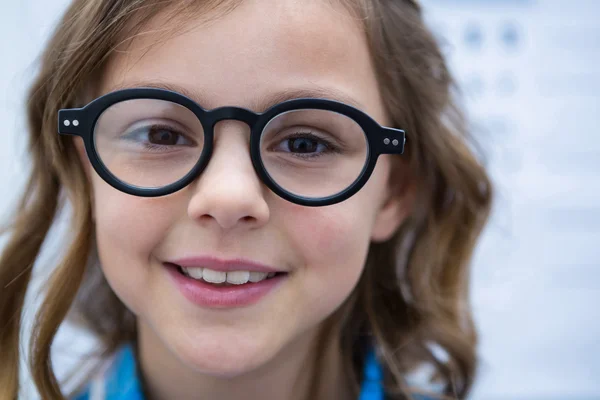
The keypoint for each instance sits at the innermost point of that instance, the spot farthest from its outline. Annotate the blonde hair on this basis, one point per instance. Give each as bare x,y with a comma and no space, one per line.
414,292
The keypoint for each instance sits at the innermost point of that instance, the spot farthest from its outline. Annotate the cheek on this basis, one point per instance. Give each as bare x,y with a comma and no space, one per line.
123,223
327,231
128,228
340,231
332,243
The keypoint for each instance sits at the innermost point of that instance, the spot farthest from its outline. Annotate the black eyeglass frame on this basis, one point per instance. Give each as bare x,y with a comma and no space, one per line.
82,121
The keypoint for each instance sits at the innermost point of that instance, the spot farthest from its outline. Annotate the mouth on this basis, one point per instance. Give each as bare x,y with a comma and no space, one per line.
227,284
224,279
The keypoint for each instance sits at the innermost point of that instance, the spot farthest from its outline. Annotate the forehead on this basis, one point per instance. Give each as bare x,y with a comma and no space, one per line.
253,52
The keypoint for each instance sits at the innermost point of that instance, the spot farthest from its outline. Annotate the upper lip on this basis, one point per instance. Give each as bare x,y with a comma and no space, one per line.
223,265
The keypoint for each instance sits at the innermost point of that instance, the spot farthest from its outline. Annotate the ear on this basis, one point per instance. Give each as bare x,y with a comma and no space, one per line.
395,208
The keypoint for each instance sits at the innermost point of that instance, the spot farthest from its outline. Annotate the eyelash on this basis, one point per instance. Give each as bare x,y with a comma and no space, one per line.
157,147
330,146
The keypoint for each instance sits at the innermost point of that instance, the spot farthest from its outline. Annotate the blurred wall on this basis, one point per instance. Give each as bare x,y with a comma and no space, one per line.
531,81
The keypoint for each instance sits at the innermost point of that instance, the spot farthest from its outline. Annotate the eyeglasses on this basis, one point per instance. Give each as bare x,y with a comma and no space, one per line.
153,142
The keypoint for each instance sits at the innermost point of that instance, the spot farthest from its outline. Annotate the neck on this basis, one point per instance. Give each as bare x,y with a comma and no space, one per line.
287,376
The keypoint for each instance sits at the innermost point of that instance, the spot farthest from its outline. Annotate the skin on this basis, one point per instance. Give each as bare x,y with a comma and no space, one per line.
264,48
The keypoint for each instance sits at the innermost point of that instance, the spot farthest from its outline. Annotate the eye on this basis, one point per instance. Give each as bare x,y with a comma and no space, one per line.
305,144
159,135
164,136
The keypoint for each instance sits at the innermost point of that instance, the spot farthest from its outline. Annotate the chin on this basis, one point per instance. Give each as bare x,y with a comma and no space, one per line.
224,358
223,366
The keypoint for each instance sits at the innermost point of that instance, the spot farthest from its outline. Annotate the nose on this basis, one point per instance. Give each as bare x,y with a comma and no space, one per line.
228,191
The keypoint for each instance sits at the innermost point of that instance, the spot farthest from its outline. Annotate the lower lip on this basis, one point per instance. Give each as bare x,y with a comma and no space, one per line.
207,295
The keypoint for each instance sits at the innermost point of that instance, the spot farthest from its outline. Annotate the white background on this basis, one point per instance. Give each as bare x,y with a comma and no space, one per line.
530,73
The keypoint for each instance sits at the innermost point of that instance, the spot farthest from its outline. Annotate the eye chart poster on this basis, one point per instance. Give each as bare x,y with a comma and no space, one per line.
530,75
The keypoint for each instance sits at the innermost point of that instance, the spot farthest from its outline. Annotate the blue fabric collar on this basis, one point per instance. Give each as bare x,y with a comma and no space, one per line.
122,381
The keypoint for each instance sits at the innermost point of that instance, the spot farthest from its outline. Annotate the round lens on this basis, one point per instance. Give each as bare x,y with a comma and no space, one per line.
148,143
313,153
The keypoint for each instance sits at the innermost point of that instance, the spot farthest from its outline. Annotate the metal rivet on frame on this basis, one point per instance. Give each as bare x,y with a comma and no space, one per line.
67,122
75,122
386,141
395,142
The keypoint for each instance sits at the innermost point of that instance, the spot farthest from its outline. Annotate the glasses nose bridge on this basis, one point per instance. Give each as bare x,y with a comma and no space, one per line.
224,114
232,114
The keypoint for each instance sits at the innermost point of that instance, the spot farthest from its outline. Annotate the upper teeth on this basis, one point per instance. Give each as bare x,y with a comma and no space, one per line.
234,277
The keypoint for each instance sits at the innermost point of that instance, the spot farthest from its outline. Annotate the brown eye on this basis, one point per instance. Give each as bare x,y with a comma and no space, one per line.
162,136
305,145
302,145
159,135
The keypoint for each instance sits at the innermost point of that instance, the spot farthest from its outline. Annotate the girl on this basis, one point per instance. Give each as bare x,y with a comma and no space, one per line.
270,199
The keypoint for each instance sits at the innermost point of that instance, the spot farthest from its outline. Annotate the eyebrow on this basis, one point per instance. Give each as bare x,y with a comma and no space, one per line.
261,103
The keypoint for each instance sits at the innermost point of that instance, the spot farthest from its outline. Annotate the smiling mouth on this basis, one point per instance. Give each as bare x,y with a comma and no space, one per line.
224,279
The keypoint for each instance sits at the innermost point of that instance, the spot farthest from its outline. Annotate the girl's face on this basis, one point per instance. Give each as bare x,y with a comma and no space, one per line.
261,50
